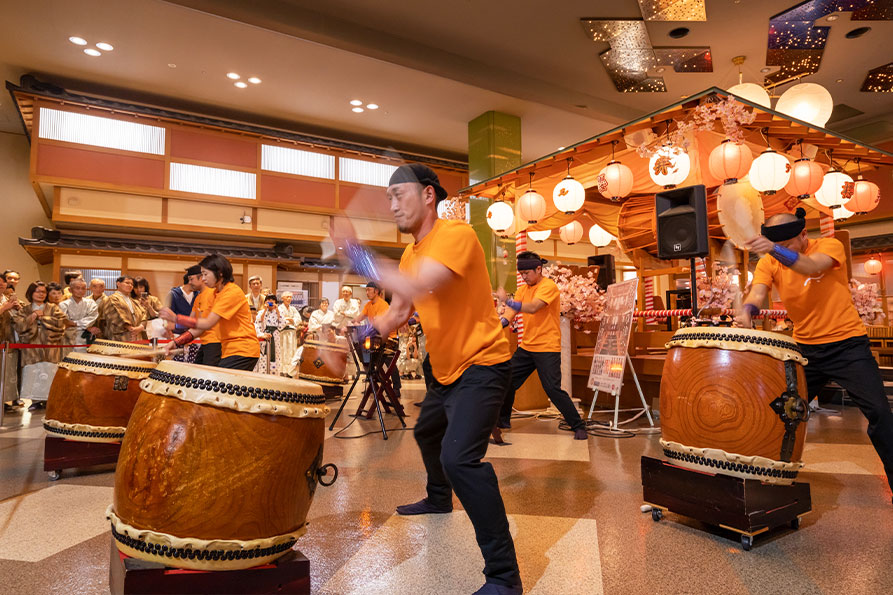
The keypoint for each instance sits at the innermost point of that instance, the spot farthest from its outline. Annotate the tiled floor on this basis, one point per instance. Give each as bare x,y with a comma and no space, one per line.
573,509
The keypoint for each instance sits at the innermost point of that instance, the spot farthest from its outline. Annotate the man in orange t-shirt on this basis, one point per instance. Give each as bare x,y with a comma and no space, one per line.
540,347
810,276
375,307
444,277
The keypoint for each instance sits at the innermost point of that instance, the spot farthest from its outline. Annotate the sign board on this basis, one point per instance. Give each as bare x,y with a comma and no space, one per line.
609,359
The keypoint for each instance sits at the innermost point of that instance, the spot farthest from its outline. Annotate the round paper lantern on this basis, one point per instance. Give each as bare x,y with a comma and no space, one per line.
806,178
571,233
599,237
669,166
568,195
770,172
508,233
866,196
873,266
836,189
500,216
841,213
808,102
531,206
752,92
539,236
730,161
615,181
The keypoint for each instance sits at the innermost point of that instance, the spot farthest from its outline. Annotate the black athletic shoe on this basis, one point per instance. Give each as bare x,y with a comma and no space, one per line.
494,589
423,507
504,425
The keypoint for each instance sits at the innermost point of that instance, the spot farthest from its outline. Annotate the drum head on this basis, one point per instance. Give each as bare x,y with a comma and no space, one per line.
109,347
775,345
106,365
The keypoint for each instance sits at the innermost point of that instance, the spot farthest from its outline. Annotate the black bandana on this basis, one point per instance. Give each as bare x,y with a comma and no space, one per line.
527,264
418,173
785,231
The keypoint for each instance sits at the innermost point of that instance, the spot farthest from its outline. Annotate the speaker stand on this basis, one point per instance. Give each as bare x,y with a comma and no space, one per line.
694,288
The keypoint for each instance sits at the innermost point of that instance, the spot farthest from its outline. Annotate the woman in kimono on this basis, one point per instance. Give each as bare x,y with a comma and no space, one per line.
289,334
9,308
39,323
150,304
269,324
123,318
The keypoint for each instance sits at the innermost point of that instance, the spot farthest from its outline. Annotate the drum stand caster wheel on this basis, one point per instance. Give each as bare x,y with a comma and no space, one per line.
656,514
795,524
55,474
746,542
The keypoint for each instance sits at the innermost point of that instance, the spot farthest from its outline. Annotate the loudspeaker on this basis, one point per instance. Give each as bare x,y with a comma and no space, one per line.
682,222
605,264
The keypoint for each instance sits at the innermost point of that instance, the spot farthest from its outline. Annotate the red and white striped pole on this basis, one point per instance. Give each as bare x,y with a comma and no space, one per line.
701,267
649,298
826,225
520,246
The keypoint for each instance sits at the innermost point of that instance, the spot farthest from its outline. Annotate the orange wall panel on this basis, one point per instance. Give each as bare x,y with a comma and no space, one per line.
298,192
366,200
96,166
213,148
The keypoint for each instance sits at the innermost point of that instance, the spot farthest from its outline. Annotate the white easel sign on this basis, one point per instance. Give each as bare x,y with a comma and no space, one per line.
610,353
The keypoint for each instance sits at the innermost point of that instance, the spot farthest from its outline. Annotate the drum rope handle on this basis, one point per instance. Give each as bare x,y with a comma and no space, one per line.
323,472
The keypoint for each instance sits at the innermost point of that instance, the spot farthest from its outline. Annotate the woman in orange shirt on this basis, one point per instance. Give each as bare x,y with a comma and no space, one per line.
230,316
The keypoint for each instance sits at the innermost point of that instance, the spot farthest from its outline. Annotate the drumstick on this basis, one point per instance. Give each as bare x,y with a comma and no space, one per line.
155,352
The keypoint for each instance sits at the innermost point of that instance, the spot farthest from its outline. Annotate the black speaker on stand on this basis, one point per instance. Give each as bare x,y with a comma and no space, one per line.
681,215
606,272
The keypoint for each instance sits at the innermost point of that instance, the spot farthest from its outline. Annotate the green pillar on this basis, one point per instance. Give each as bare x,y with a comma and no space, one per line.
494,146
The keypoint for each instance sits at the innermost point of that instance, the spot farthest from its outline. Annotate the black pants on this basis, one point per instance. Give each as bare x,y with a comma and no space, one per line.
452,432
238,362
548,366
208,354
850,364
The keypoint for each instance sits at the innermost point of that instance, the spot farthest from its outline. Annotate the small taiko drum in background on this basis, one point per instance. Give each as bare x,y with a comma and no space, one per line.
92,396
323,362
109,347
733,401
218,467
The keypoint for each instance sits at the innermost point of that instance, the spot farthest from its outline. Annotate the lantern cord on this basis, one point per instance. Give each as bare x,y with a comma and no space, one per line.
613,144
530,184
569,161
764,132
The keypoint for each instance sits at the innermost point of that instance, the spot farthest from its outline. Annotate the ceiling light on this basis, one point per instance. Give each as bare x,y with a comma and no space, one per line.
833,17
232,76
839,80
78,40
241,84
371,106
661,69
561,148
105,47
171,65
356,102
857,32
357,110
92,52
765,70
678,32
254,80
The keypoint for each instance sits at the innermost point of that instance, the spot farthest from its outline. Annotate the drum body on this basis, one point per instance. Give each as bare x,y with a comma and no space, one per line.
92,396
109,347
733,401
323,362
218,467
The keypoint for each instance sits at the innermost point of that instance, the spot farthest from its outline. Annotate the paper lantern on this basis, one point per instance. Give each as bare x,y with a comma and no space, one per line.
730,161
806,178
531,207
752,92
510,232
571,233
669,166
866,196
770,172
873,266
568,195
615,181
539,236
807,102
841,213
500,216
836,189
599,237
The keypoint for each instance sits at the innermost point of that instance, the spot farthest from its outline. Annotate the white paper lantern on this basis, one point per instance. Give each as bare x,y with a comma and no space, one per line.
669,166
568,195
807,102
599,237
752,92
615,181
500,216
571,233
539,236
770,172
873,266
841,213
836,190
531,207
866,196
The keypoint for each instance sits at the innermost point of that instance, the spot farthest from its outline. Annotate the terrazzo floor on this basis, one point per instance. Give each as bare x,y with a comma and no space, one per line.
573,509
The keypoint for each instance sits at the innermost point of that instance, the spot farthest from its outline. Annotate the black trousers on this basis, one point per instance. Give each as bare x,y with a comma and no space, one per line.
238,362
548,366
208,354
850,364
452,432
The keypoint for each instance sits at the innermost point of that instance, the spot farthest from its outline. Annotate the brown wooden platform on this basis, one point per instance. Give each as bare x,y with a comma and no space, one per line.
59,454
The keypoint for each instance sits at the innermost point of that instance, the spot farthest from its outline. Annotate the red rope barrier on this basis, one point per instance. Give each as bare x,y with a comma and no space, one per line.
688,312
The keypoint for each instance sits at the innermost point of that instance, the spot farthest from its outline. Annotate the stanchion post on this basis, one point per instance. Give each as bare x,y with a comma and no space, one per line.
3,379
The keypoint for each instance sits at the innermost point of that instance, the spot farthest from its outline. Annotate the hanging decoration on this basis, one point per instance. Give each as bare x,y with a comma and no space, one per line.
539,236
807,102
669,166
615,180
841,213
806,178
866,195
599,237
569,194
770,172
500,216
837,188
730,161
531,206
571,233
873,266
752,92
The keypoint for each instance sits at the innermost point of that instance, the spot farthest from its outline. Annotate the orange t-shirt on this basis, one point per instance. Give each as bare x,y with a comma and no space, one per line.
372,310
200,309
235,329
541,330
821,307
460,322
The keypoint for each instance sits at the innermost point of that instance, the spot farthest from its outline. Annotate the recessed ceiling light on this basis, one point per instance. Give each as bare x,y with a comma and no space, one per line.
77,40
661,69
92,52
561,148
857,32
371,106
240,84
765,70
678,32
105,47
357,110
232,76
171,65
833,17
356,102
254,80
839,80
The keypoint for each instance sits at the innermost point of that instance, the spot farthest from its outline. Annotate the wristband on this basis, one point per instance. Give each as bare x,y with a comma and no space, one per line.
751,309
504,321
513,304
785,256
183,339
186,321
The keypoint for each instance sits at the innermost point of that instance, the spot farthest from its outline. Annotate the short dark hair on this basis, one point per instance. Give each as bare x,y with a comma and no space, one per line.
193,270
219,266
142,282
71,275
325,299
29,293
53,286
528,255
271,296
123,278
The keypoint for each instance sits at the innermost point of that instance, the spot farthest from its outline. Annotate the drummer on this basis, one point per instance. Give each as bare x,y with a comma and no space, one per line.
810,276
230,314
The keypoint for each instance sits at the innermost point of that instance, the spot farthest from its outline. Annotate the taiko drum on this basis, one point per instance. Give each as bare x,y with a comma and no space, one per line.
109,347
733,401
323,362
218,467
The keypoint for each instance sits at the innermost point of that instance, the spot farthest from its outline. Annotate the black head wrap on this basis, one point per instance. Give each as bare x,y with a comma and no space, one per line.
421,174
527,264
786,231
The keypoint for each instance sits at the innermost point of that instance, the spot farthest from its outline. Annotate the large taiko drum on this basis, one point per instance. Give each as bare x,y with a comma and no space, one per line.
324,362
109,347
218,467
733,401
92,396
